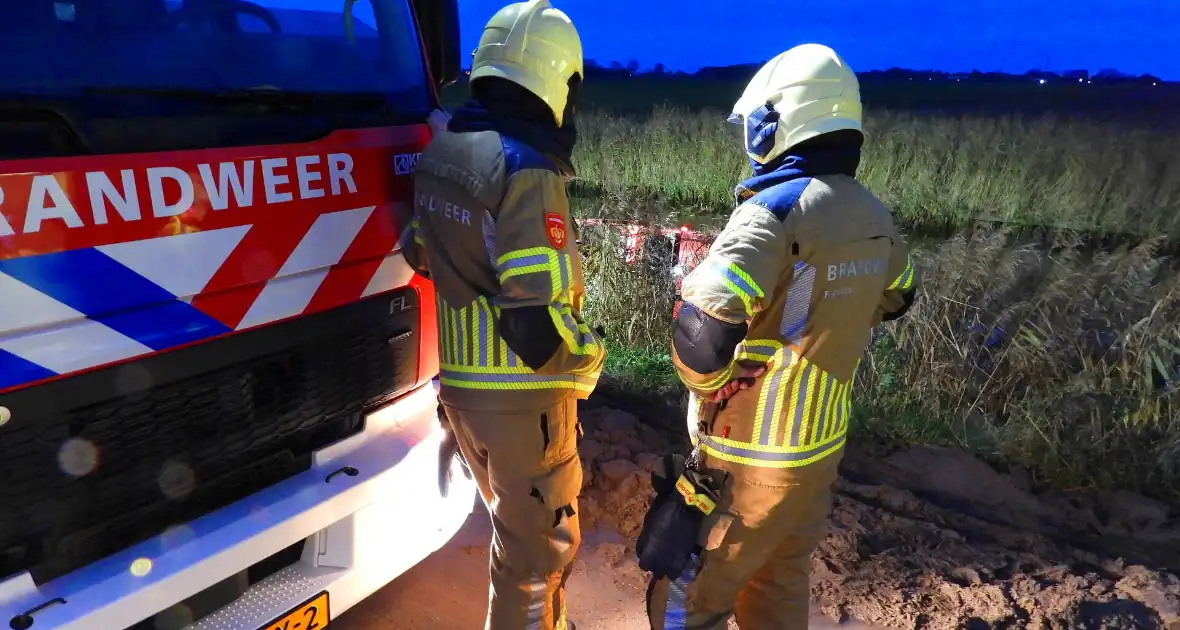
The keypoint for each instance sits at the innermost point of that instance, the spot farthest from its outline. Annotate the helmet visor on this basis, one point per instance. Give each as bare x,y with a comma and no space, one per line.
758,129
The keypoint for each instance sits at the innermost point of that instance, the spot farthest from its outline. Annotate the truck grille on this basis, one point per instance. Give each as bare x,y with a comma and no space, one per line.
89,469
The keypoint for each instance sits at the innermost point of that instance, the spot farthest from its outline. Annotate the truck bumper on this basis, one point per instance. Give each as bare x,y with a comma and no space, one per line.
369,509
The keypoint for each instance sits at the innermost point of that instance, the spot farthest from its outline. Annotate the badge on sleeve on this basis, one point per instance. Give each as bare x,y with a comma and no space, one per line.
555,230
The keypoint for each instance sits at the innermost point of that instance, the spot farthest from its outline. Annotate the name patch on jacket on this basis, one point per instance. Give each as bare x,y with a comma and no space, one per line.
448,210
856,268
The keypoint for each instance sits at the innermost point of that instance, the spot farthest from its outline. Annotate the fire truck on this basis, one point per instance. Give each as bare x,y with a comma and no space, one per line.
217,395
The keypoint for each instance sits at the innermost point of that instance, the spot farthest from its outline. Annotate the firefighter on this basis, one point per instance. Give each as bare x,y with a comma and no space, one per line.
493,230
774,323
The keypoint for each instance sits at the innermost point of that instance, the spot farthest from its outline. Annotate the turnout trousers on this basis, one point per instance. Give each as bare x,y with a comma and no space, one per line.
755,563
529,475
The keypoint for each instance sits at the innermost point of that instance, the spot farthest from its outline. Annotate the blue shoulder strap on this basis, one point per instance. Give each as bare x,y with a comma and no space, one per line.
779,199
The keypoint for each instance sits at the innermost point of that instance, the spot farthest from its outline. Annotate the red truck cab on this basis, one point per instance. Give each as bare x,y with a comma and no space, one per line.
216,396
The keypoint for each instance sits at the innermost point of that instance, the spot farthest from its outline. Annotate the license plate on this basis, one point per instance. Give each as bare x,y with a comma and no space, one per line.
310,615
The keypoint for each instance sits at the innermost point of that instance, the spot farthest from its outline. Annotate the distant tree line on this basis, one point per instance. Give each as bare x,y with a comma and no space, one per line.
619,70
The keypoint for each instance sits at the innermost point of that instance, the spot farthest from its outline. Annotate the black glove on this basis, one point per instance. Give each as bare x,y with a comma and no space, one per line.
672,527
601,332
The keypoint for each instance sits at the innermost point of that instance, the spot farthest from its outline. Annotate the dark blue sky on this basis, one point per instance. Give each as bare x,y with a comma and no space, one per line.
1134,36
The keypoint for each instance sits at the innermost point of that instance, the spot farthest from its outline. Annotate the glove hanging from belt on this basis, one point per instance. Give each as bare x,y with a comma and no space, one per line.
685,495
671,529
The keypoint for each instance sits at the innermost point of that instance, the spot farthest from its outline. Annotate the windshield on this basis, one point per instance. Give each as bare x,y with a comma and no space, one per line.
89,62
299,45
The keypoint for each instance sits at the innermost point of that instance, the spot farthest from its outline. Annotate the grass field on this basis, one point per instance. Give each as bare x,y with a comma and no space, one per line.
1047,334
938,173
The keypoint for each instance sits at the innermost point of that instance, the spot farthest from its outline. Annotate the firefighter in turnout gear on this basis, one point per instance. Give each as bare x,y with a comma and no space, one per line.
774,323
492,228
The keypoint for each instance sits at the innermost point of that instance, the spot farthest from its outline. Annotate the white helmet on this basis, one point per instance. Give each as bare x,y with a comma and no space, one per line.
535,46
802,93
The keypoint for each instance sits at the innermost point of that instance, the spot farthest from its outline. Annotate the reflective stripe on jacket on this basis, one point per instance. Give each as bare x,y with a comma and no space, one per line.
473,356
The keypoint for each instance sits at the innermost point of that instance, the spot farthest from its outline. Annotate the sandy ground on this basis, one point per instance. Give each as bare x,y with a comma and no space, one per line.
448,591
921,538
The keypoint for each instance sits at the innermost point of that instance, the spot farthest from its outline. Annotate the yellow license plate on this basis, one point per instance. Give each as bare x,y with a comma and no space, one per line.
310,615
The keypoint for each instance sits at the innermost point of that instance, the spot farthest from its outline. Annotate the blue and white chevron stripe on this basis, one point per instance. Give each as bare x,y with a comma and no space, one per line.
84,308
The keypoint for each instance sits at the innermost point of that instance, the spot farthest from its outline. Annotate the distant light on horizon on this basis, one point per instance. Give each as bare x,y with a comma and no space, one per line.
1042,81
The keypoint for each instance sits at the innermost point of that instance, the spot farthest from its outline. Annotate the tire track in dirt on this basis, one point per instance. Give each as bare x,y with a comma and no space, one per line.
934,538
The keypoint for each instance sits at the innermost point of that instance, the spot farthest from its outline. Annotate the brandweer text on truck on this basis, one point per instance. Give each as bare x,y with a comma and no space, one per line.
217,406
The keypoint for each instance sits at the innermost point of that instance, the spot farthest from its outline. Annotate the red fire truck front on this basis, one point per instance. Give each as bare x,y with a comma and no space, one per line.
216,396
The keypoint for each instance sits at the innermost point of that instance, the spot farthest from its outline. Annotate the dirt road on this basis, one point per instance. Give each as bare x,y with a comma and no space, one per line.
449,590
920,538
